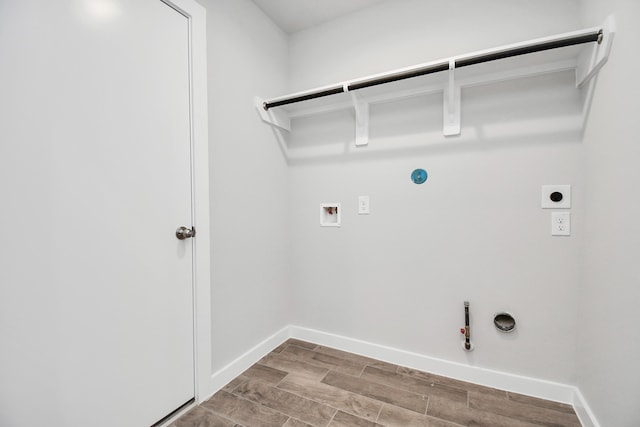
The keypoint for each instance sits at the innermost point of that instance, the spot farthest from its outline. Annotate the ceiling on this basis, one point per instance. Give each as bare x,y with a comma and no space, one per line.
296,15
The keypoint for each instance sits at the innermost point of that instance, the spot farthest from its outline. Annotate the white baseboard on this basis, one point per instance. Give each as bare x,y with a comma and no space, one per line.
224,375
543,389
586,416
518,384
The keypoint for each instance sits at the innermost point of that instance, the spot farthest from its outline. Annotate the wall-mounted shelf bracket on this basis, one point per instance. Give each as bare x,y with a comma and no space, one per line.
451,103
590,61
556,53
361,109
272,116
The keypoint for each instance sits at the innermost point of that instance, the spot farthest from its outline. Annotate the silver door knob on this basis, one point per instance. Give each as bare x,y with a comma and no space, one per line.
185,233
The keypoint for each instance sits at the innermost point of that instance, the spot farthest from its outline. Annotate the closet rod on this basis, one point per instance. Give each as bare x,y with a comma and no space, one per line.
596,36
464,61
304,97
401,75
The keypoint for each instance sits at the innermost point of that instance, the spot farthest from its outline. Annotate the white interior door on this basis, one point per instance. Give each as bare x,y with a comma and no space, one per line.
96,296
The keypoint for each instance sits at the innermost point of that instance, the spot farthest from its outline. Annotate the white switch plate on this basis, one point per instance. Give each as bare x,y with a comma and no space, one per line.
548,190
363,205
560,224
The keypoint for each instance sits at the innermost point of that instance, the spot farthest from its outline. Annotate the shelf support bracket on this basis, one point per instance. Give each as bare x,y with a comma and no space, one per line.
273,116
451,103
361,109
592,60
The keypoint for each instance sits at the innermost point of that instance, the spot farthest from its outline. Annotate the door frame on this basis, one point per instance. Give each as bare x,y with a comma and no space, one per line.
196,14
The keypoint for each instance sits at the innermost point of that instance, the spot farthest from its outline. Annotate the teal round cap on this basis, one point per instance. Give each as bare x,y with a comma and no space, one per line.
419,176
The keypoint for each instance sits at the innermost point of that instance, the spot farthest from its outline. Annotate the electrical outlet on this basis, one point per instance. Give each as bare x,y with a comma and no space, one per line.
560,224
363,205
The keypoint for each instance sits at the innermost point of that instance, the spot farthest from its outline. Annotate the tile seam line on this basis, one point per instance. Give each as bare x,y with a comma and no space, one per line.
380,412
292,393
331,405
260,404
405,390
430,383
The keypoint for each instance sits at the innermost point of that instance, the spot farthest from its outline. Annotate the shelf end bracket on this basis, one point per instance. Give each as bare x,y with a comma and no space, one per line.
272,116
451,103
362,119
592,60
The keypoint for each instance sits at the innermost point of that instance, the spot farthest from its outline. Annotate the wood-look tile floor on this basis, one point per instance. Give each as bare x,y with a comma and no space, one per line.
303,384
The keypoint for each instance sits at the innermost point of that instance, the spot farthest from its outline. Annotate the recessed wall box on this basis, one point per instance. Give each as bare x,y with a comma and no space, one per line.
330,214
556,196
504,322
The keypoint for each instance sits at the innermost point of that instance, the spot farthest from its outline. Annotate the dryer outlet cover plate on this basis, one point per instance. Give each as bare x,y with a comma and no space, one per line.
556,197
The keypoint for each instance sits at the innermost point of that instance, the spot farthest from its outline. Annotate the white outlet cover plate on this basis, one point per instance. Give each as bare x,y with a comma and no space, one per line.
560,224
363,205
547,203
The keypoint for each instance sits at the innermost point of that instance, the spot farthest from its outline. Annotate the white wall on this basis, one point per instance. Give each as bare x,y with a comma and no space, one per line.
475,230
608,345
250,299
